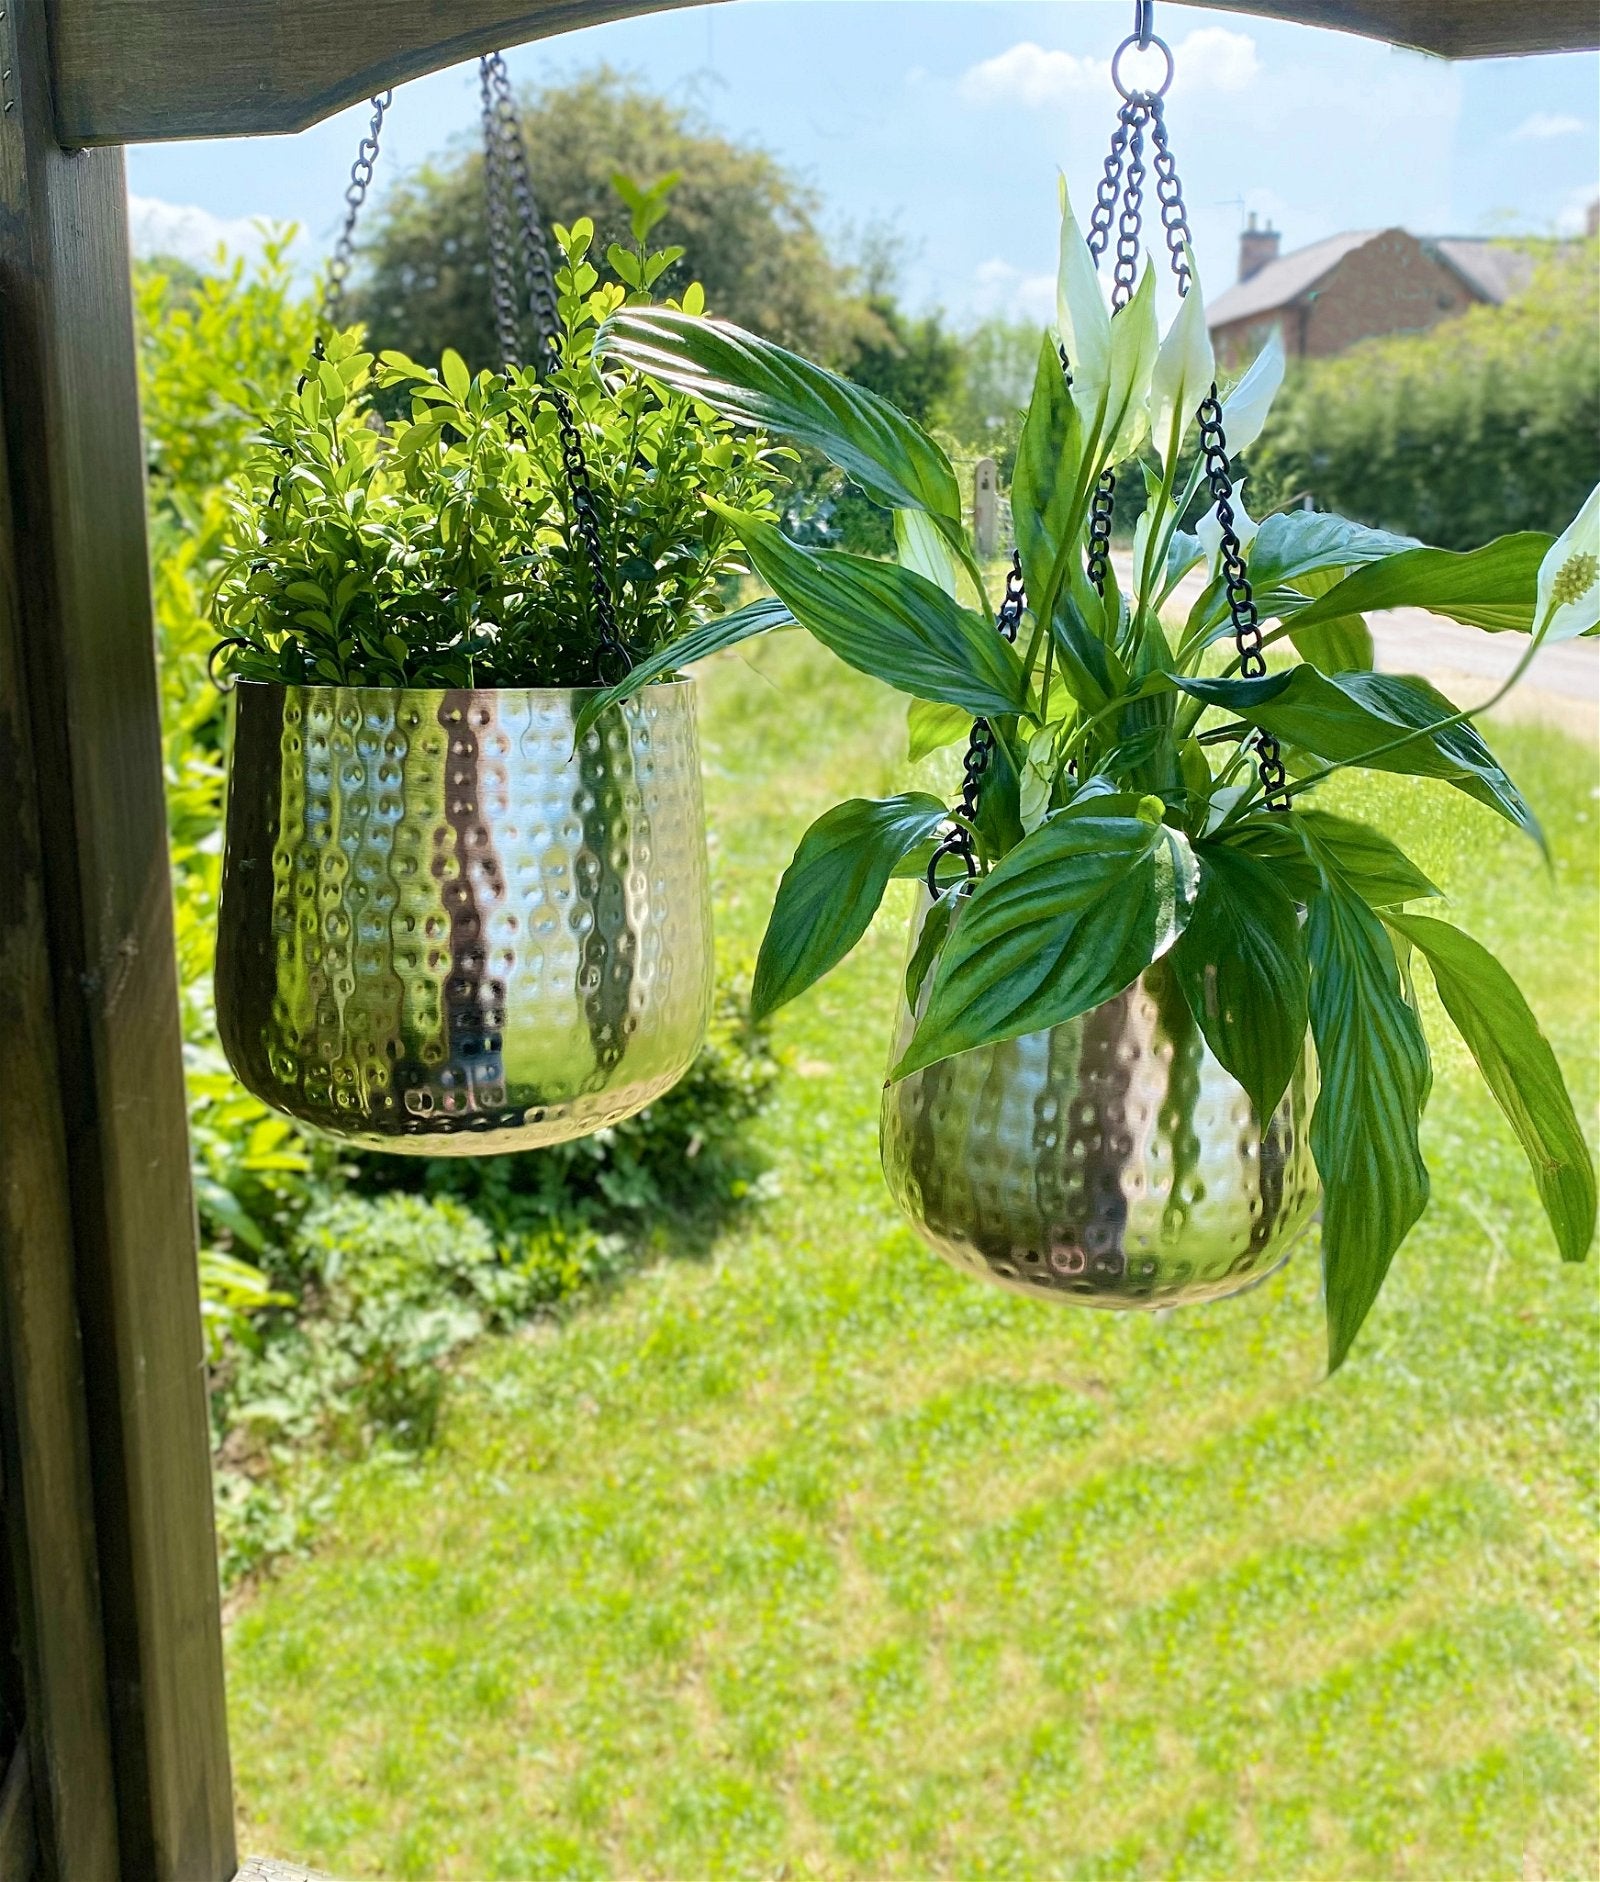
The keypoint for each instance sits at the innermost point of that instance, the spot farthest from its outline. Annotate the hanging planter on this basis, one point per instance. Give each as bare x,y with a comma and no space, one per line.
1112,1159
440,920
1102,1088
465,903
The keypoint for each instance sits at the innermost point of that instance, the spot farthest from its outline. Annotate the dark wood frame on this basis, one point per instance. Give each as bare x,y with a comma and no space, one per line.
104,1443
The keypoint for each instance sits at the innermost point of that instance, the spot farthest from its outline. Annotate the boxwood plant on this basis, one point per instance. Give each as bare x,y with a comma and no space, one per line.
1121,814
440,549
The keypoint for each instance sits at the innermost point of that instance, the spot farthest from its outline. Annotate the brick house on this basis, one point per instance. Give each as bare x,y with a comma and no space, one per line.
1351,287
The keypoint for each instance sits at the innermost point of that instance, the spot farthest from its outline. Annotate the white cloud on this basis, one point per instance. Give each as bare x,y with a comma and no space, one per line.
1001,288
1210,59
188,233
1544,125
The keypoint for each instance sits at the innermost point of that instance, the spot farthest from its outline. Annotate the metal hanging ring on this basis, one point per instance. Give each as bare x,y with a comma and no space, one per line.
1142,91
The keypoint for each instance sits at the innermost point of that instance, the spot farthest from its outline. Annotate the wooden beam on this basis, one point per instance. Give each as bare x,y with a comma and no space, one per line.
129,71
75,540
44,1433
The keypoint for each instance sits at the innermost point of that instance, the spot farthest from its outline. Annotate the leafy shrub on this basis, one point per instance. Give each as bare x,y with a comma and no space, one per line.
337,1288
1485,424
444,549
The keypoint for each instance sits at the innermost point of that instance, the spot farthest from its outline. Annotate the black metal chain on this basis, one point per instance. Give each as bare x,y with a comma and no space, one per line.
514,215
538,271
355,196
1241,597
957,840
1124,171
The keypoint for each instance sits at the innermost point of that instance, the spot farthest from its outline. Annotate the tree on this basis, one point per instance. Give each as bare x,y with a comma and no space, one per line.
747,227
1484,424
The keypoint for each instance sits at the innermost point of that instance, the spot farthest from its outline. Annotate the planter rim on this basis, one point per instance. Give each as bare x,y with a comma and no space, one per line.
683,684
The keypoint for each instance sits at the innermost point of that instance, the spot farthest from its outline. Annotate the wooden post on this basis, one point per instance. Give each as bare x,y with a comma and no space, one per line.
986,508
102,1143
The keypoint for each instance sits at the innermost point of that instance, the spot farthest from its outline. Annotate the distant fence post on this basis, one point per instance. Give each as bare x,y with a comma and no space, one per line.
986,507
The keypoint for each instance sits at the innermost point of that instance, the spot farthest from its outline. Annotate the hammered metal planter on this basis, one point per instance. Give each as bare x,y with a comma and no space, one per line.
1110,1160
442,931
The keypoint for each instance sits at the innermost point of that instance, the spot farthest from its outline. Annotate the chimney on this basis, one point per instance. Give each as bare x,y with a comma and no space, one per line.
1256,248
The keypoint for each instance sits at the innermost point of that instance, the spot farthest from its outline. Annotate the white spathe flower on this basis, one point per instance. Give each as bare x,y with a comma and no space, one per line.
1135,340
1569,578
1209,530
1244,410
1082,316
1184,372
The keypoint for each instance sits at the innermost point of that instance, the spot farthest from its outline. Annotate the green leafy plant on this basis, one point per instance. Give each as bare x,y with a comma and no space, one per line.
1121,814
443,549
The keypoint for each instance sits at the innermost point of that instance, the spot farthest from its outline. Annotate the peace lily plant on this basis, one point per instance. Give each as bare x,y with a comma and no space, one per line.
1121,816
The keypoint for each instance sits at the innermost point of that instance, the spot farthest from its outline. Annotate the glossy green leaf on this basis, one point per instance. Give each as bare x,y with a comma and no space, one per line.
935,927
1362,719
919,546
1049,460
1287,549
753,382
700,643
1373,1062
1493,587
1071,916
831,890
931,725
891,623
1520,1069
1242,965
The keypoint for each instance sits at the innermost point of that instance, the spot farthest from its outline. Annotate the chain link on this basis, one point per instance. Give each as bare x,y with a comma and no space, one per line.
1241,598
957,841
355,196
1169,193
514,216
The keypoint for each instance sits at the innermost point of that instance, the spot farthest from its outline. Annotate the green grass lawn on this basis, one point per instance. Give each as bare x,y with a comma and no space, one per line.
817,1557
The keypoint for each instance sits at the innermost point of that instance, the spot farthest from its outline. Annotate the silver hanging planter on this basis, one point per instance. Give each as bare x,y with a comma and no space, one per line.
443,931
1110,1160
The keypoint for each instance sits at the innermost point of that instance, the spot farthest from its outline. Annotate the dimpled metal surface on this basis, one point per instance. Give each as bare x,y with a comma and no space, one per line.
1110,1160
442,931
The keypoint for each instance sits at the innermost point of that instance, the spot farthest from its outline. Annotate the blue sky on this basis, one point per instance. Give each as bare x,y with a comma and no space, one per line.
947,122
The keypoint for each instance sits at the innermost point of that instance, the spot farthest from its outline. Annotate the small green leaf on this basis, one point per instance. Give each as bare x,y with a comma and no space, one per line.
930,725
1242,966
1520,1070
831,890
453,370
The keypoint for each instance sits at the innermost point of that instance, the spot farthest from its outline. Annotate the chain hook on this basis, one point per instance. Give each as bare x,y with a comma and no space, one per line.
1144,12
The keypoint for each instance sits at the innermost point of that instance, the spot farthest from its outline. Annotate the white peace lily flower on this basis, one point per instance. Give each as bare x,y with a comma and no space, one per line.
1209,530
1082,315
1135,341
1569,578
1244,410
1184,371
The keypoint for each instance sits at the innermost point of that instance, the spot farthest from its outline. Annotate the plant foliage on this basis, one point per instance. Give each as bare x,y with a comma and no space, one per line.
1121,812
442,549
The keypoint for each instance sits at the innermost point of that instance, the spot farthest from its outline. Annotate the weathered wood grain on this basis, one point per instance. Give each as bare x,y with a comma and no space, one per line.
132,70
76,545
43,1424
19,1849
